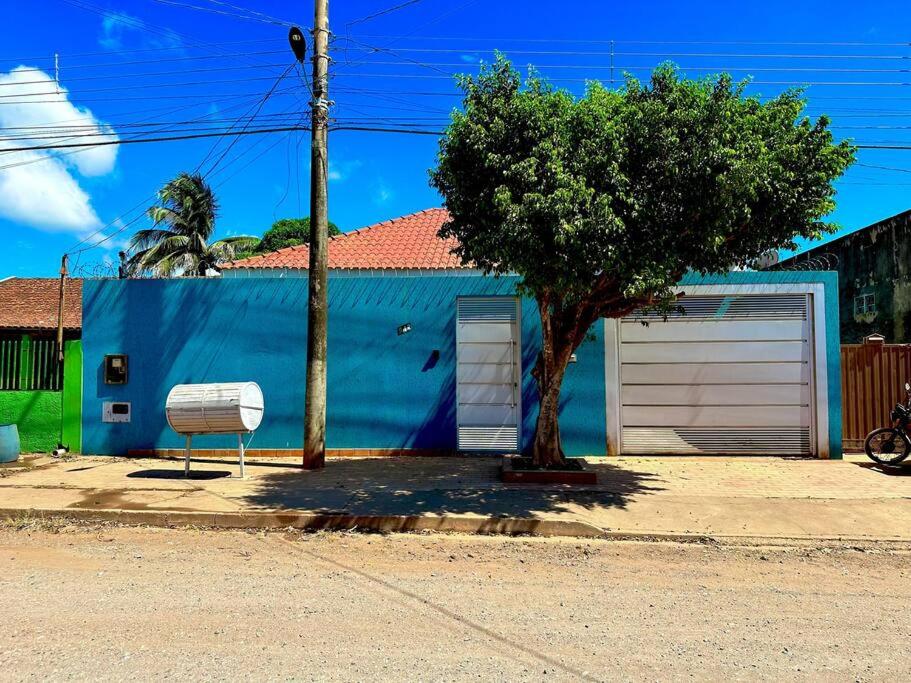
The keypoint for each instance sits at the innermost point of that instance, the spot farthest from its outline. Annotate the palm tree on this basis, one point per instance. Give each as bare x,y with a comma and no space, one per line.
178,241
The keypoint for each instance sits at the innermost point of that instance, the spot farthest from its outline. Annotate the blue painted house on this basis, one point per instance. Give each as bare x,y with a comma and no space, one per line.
428,356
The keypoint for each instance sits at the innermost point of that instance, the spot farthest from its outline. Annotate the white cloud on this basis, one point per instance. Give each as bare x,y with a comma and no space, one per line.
120,30
342,170
383,193
39,188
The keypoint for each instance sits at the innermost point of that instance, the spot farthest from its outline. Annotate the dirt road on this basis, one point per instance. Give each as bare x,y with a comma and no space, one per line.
119,603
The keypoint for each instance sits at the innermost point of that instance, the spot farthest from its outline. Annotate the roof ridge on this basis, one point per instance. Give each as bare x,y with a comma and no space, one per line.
412,241
389,221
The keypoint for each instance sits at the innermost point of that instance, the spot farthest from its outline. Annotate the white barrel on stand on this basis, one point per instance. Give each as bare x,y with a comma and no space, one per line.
218,408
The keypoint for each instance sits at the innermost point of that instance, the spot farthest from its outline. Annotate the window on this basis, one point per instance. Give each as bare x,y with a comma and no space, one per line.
865,303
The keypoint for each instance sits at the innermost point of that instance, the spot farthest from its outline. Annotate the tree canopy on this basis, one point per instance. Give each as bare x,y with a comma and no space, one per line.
602,203
286,232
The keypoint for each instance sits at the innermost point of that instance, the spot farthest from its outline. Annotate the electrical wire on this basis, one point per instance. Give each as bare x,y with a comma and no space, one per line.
146,85
604,41
135,62
194,136
381,13
250,119
212,10
146,74
130,51
626,53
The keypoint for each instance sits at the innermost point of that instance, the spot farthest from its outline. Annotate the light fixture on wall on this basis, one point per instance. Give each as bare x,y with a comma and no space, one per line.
404,329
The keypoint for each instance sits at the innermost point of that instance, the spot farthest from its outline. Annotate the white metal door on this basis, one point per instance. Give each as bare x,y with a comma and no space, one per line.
732,374
487,382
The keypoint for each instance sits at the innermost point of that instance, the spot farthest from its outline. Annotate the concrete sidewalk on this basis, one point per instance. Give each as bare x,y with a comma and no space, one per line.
659,496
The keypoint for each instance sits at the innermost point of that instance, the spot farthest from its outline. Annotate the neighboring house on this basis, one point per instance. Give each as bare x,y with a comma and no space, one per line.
405,243
38,393
426,355
874,278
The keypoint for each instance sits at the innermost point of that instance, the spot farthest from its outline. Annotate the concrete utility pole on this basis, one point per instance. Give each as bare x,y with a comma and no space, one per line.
318,304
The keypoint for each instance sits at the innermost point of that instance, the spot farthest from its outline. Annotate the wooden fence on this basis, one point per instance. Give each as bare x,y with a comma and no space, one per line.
873,380
30,365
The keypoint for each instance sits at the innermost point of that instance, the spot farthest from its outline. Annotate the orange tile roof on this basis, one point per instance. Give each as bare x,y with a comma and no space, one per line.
31,303
407,242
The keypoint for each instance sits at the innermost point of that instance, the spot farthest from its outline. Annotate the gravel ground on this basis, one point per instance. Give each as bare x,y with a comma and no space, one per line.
117,603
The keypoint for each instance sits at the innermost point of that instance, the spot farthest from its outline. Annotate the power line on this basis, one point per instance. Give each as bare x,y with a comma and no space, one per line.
161,128
388,10
647,67
152,197
604,41
624,53
281,22
144,74
884,168
194,136
259,107
127,98
130,51
588,80
147,85
134,62
212,10
41,158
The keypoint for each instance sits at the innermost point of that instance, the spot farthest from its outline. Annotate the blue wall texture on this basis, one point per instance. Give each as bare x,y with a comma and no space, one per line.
384,390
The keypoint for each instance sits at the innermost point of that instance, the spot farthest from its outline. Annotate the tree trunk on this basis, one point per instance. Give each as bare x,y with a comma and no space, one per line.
549,370
548,449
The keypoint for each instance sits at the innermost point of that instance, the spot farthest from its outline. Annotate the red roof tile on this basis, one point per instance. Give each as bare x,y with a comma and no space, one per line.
407,242
31,303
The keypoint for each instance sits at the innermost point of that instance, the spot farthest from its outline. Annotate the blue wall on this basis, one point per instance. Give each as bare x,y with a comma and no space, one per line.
384,390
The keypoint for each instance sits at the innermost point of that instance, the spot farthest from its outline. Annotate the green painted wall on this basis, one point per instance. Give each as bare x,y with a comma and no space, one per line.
71,416
37,415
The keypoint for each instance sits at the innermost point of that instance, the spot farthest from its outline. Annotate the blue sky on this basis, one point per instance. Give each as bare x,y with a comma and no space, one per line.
125,66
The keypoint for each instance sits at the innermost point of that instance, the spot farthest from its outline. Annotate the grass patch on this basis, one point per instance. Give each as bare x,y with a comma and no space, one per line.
29,521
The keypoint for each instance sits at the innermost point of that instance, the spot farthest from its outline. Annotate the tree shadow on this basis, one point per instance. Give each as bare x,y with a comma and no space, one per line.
414,486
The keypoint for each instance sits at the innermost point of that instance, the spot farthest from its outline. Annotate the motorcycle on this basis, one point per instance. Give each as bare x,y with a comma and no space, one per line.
891,445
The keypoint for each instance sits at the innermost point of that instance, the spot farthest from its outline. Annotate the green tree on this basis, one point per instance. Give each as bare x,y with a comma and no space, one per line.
285,232
602,203
288,232
178,241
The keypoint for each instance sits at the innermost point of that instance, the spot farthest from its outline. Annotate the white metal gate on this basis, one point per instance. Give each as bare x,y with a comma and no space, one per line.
733,374
488,371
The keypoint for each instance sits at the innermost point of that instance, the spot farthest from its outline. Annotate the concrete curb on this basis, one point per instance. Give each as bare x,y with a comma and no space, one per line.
310,521
505,526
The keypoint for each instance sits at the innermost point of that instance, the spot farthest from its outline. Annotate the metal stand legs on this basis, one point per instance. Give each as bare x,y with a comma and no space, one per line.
240,452
186,462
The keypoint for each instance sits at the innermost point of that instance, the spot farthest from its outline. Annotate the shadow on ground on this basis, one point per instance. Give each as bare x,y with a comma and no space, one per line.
902,470
198,475
458,485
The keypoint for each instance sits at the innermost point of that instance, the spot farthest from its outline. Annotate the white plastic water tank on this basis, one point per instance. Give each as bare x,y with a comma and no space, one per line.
219,408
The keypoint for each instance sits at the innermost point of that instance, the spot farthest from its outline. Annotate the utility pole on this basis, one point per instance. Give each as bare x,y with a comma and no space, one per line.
318,301
60,305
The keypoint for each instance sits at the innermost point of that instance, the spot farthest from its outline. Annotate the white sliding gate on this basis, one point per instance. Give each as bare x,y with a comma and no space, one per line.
735,374
488,373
